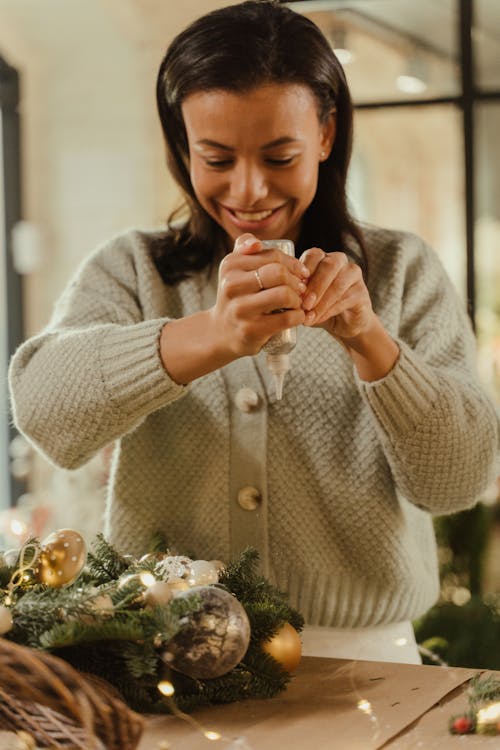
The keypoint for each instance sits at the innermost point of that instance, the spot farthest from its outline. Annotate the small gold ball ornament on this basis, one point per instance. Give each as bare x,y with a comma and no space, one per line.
62,558
6,621
285,647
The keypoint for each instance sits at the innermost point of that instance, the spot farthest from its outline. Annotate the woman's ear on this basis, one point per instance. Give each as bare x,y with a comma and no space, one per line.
327,137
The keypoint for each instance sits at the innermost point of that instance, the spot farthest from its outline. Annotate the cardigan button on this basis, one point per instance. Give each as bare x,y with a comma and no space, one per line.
246,400
249,498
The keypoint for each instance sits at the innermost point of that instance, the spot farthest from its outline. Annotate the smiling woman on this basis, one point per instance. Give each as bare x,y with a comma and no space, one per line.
383,422
254,157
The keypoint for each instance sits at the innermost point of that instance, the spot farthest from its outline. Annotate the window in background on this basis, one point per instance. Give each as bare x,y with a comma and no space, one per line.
11,316
486,40
4,347
392,50
487,243
407,173
425,79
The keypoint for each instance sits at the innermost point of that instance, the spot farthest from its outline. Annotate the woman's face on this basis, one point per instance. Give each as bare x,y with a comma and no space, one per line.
254,157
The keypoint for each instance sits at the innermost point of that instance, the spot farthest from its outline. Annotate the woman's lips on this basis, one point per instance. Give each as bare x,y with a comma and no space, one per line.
252,219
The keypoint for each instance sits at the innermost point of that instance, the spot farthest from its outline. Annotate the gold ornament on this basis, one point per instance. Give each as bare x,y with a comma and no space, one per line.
285,647
6,621
62,558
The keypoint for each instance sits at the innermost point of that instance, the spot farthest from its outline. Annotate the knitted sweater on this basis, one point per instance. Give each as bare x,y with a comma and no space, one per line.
345,474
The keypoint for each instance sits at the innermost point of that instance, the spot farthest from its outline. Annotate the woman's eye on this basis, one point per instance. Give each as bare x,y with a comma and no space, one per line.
218,163
280,162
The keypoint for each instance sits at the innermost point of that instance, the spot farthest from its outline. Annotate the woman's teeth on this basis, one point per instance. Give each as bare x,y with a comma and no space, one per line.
254,216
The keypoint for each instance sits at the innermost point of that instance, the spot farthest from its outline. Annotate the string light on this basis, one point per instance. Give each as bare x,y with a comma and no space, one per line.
147,578
365,706
210,735
166,688
18,527
489,714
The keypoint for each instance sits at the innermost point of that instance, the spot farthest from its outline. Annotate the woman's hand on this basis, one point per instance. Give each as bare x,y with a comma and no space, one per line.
260,294
338,300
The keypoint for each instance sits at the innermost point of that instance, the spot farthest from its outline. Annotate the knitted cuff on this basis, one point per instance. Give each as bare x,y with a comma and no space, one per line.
132,369
401,399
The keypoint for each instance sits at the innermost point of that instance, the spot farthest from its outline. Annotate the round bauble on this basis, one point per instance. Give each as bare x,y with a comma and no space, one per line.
215,638
62,558
6,621
202,573
178,585
158,594
285,647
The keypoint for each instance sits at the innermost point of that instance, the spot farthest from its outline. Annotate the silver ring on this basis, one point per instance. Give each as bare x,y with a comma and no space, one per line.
259,281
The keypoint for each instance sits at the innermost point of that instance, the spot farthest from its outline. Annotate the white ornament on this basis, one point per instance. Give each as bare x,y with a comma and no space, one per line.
102,604
6,621
173,566
158,593
202,573
10,556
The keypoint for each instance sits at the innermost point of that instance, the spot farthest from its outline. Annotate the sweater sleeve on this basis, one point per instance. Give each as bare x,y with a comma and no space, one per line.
439,428
95,372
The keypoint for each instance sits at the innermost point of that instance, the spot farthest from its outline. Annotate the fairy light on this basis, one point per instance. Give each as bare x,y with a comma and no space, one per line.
489,713
147,578
18,527
166,688
401,641
210,735
365,706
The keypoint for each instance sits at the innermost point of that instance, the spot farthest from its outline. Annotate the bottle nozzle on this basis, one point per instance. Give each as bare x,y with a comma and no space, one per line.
278,364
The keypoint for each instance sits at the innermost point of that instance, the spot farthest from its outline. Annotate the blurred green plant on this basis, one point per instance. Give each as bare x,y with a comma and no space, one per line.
463,628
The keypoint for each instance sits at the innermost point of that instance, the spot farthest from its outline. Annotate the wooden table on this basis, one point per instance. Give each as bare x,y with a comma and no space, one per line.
334,704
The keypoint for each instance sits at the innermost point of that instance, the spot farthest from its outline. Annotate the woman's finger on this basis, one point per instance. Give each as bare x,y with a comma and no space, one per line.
324,276
348,276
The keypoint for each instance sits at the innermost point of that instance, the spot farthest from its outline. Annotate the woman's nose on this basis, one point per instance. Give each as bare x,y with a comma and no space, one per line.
248,184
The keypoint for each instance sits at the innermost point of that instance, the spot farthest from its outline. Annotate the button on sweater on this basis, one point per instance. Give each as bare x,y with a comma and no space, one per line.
341,476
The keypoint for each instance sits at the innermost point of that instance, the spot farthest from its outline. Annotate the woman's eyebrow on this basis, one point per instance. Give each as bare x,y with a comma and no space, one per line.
284,140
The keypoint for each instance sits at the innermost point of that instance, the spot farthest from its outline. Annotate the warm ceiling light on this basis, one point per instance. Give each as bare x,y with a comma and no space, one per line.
414,78
411,84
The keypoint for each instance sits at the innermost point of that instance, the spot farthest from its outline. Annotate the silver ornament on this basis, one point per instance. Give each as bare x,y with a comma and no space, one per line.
214,639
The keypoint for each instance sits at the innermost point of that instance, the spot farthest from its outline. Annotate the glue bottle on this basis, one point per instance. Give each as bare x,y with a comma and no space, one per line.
281,344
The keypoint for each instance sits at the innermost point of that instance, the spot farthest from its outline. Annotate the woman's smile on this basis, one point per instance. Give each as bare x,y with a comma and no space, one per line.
254,157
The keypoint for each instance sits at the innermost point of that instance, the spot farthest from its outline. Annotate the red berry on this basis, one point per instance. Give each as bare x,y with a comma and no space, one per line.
462,725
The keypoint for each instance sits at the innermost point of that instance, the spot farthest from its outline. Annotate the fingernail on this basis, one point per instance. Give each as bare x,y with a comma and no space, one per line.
310,316
309,301
302,287
305,271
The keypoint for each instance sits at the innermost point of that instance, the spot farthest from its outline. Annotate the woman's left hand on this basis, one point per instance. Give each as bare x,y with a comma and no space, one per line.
336,298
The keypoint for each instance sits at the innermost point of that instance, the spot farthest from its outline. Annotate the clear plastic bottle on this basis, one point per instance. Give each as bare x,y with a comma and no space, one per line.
281,344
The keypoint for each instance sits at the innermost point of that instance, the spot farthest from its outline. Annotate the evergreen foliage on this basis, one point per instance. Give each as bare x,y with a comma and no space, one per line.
462,633
123,643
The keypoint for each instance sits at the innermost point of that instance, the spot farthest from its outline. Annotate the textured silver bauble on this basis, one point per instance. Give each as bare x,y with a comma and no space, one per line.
215,638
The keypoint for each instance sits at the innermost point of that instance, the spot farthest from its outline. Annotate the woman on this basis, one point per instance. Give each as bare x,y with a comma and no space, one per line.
154,345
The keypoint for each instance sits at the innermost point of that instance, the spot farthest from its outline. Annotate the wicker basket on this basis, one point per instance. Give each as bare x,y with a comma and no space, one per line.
44,696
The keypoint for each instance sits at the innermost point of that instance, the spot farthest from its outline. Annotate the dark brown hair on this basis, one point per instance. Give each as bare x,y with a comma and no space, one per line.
237,48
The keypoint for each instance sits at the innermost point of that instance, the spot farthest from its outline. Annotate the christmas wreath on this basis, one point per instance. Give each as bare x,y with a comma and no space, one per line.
162,629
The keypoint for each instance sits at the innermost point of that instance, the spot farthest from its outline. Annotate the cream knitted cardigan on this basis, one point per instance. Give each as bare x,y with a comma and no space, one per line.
348,472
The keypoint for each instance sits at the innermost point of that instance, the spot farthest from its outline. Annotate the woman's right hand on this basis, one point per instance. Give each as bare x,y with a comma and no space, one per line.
259,294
